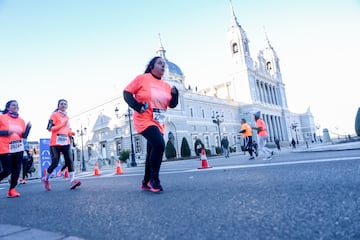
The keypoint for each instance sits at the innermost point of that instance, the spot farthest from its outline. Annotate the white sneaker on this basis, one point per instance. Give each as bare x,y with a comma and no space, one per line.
267,158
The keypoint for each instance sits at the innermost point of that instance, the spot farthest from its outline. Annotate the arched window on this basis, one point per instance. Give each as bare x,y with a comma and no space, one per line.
235,48
268,66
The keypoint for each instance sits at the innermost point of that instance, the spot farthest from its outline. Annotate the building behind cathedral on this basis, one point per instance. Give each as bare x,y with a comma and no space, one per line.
208,114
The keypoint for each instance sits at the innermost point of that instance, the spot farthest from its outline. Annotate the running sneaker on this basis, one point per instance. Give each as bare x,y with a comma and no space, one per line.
144,185
154,187
46,183
12,193
267,158
251,158
75,183
23,181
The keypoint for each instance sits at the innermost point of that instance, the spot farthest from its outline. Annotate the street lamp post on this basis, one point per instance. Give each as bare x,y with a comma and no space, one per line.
133,162
82,132
218,119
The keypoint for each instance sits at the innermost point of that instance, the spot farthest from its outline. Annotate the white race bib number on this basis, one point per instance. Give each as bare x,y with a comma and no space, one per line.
159,115
16,146
62,139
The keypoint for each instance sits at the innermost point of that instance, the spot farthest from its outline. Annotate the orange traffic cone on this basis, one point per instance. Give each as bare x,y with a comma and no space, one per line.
96,170
118,168
66,174
204,162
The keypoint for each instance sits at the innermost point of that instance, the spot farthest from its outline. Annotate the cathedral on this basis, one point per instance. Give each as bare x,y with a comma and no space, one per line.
208,114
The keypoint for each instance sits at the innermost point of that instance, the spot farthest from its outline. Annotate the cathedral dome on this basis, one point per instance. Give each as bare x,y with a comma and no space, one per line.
173,74
173,68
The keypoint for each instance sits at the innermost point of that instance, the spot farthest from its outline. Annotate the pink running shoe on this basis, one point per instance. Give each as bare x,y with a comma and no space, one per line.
75,183
144,186
12,193
153,187
46,183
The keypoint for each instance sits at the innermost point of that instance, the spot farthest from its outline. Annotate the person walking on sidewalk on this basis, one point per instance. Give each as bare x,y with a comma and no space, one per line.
277,142
25,161
225,146
12,132
262,135
246,133
59,126
150,97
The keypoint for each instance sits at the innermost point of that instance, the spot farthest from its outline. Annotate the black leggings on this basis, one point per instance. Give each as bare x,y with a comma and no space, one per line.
248,145
11,164
72,157
55,157
154,153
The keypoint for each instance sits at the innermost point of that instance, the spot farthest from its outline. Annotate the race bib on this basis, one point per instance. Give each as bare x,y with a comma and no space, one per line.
16,146
62,139
159,115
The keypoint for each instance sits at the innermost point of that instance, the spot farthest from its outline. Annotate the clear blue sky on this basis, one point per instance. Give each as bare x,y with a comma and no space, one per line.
86,51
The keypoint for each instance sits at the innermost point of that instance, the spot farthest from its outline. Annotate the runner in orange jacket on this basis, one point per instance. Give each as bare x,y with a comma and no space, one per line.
12,132
59,126
150,97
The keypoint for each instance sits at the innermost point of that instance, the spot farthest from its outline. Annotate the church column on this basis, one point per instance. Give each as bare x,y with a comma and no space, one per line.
258,91
281,133
276,96
268,92
262,92
273,130
269,125
273,95
265,93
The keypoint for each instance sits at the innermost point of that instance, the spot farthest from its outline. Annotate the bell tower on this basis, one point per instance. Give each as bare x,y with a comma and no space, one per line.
241,63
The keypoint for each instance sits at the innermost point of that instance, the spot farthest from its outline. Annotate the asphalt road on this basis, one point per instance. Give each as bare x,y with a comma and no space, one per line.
294,196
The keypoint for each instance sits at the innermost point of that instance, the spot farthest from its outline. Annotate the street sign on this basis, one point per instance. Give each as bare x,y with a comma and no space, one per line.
45,157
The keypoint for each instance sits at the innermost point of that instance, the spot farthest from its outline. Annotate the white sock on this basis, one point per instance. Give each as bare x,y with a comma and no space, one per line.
72,176
47,177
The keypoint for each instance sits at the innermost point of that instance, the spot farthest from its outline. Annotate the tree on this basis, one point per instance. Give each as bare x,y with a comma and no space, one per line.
185,148
357,123
124,155
170,151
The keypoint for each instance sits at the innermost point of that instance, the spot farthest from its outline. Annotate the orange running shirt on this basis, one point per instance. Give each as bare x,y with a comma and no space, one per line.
248,130
261,123
12,143
60,137
157,93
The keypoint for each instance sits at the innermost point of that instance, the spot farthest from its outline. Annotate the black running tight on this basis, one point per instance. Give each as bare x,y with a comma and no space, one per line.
11,164
55,157
154,152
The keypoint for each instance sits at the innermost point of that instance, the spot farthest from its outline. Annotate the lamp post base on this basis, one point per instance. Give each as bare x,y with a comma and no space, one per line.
133,162
83,169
